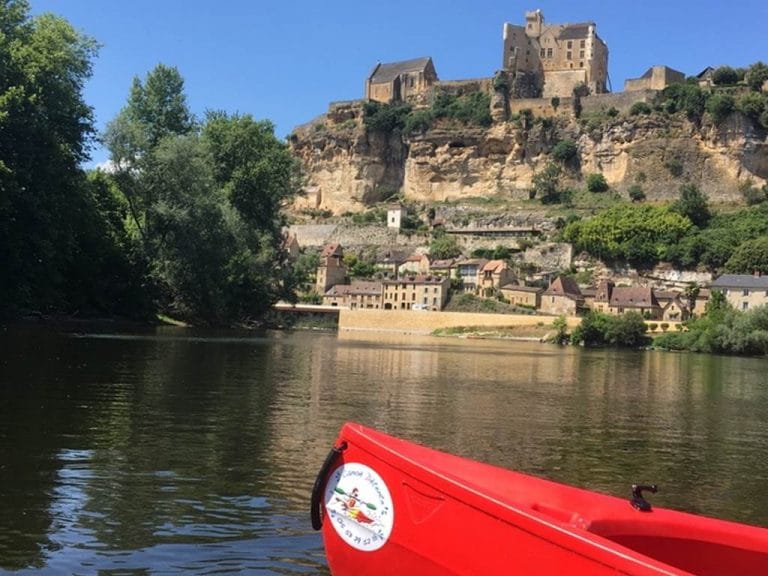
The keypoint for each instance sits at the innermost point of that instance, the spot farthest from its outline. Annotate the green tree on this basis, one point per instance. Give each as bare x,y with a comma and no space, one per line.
756,75
444,246
546,183
693,204
725,76
638,234
49,215
156,109
750,257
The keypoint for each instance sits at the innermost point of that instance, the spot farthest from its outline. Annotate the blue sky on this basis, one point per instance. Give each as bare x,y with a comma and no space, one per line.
285,61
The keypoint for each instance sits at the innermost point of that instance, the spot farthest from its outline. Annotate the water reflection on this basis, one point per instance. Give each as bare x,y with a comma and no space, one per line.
188,452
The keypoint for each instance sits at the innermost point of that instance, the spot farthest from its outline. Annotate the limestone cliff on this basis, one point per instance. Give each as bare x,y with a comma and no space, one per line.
349,167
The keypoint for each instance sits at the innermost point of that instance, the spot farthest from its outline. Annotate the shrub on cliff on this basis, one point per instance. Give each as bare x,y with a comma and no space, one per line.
565,151
725,76
472,108
597,183
385,118
756,76
720,107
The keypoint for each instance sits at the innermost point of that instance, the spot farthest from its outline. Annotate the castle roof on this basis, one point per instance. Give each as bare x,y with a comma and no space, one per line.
389,71
575,31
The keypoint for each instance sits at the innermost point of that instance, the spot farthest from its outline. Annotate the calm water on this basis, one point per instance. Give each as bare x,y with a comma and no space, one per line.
184,452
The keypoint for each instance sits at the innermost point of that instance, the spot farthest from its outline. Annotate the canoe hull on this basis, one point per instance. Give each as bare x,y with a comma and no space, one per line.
392,507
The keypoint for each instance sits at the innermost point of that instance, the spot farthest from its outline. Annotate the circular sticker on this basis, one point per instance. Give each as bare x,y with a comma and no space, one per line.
359,506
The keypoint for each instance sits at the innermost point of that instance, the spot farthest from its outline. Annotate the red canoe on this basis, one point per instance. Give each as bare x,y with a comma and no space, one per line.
390,507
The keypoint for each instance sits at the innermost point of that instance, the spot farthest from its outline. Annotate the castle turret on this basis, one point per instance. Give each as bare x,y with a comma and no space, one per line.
534,21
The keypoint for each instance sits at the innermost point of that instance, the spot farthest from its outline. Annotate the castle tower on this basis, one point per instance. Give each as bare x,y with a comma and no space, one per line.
534,22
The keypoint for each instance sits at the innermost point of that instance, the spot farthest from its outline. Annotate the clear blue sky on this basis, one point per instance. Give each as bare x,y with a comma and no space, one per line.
286,60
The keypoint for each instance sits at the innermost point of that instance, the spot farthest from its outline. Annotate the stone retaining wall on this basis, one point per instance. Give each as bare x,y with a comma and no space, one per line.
424,322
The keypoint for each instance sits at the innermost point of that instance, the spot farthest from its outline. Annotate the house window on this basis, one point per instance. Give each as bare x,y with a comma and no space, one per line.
570,44
543,52
581,64
745,292
581,53
549,52
569,55
744,305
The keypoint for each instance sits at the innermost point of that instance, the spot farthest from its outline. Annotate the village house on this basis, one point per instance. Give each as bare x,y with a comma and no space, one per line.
415,264
331,270
443,267
559,56
390,262
673,304
562,297
406,81
415,293
492,276
616,300
359,294
527,296
743,291
469,271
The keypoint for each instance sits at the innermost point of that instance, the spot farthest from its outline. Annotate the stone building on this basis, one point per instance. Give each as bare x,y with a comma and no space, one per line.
331,270
616,300
562,297
517,295
492,276
406,81
416,293
559,56
359,294
655,78
743,291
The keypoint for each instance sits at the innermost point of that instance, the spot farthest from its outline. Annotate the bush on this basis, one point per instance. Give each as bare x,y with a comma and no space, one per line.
598,329
688,98
640,108
565,151
636,193
418,122
720,107
674,166
597,183
385,118
756,76
472,108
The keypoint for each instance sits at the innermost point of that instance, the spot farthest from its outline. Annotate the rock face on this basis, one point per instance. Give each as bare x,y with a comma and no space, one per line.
349,167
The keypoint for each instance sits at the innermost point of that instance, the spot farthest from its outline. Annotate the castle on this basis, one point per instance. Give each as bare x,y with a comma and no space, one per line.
543,60
559,57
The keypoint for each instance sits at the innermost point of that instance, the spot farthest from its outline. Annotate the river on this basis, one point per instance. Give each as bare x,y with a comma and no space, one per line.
173,450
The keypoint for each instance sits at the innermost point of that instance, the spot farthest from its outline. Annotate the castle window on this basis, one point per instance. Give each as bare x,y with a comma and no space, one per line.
581,53
570,44
569,55
581,64
582,44
549,52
